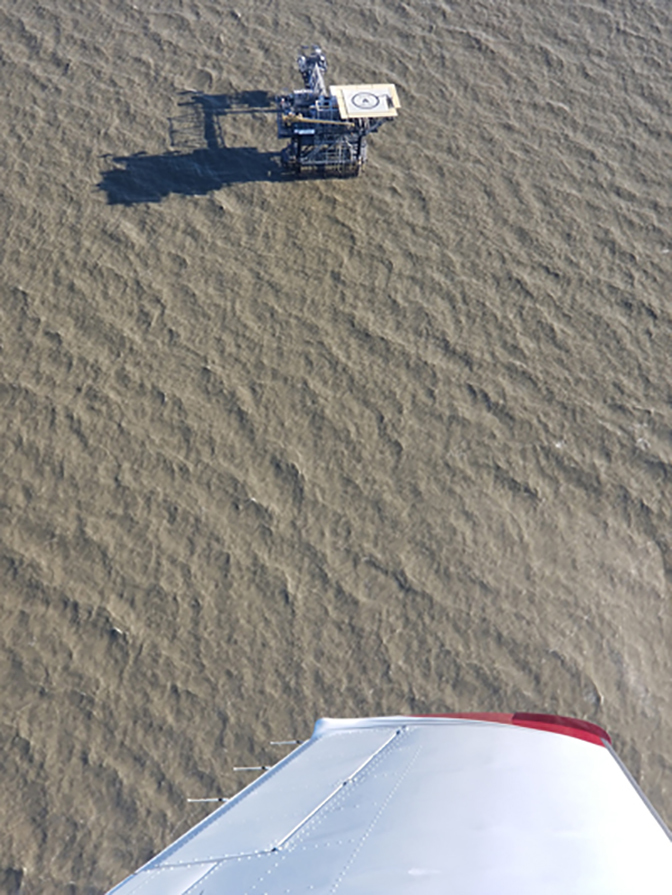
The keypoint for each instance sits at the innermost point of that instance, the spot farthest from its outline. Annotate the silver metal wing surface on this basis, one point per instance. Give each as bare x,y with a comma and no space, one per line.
471,805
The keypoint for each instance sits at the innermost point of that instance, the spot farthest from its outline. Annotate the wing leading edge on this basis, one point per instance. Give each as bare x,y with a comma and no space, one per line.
471,804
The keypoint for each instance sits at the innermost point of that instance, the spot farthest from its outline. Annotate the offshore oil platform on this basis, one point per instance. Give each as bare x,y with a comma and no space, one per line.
327,128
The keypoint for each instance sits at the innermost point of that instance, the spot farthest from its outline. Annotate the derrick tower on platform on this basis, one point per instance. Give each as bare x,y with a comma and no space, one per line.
327,128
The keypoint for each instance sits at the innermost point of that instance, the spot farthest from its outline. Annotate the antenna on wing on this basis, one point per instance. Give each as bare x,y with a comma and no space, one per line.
220,799
261,767
287,742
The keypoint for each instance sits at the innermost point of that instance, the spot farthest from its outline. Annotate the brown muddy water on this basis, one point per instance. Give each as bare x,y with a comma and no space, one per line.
276,450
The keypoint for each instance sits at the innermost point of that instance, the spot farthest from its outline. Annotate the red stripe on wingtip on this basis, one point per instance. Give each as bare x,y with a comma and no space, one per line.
571,727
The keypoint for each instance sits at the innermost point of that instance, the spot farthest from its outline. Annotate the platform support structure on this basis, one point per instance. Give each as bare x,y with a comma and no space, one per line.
325,138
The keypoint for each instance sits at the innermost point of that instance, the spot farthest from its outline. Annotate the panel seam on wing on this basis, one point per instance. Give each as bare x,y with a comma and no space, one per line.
335,792
317,815
379,813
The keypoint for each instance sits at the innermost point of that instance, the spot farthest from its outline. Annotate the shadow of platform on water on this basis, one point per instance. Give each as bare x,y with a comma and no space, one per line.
199,161
150,178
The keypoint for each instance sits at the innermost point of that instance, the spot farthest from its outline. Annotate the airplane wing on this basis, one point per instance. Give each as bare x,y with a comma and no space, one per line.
490,804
